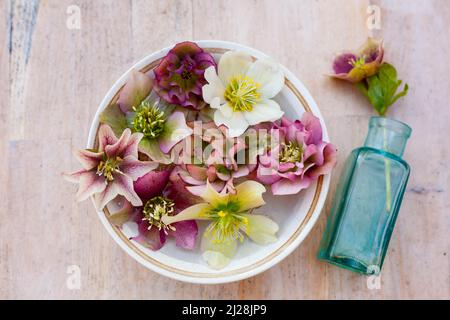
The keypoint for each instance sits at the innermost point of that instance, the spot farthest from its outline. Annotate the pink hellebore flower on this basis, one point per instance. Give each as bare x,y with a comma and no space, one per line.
355,67
300,157
179,77
223,162
110,170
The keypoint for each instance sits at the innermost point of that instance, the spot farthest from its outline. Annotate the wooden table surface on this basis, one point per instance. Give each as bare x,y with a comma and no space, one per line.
53,77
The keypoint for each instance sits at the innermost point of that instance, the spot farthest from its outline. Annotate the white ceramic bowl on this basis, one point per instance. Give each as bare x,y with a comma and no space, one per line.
296,214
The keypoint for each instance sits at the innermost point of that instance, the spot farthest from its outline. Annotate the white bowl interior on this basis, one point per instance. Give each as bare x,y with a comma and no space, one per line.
288,211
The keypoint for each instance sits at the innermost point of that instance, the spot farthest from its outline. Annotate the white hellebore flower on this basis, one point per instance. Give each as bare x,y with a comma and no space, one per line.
242,91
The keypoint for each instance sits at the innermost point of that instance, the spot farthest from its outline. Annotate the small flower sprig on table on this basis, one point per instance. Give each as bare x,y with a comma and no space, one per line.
376,79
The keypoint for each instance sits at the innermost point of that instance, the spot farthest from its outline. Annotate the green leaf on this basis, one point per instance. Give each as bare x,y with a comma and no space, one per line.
381,88
387,71
400,94
363,88
115,118
376,93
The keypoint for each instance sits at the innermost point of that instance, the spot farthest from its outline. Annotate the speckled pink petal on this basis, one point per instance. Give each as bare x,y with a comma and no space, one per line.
133,145
124,186
88,159
135,169
103,198
106,137
118,148
73,177
90,184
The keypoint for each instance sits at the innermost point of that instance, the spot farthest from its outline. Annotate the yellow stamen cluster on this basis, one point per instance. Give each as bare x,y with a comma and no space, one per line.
291,153
227,225
107,168
155,209
242,93
149,120
358,62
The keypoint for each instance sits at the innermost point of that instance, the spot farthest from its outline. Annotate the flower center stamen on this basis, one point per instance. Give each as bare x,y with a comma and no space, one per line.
186,74
291,153
358,62
155,209
227,225
242,93
107,168
149,120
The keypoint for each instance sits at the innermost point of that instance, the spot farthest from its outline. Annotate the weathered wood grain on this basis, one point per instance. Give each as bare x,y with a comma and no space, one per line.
53,78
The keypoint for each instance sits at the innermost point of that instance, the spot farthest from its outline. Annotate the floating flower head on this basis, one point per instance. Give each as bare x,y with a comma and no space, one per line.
242,91
159,200
230,221
300,157
179,77
161,125
223,162
162,128
355,67
110,170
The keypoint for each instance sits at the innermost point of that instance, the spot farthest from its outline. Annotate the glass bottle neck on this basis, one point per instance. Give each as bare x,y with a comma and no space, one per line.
387,135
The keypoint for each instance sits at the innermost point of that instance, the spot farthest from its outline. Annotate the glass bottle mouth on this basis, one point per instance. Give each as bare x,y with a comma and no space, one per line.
388,135
391,125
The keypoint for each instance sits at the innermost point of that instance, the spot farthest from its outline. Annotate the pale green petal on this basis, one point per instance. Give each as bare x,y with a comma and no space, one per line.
211,196
151,148
249,195
175,130
115,118
120,210
195,212
260,229
217,255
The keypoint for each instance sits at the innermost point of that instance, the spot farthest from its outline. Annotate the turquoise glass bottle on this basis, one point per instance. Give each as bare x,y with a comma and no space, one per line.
368,199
